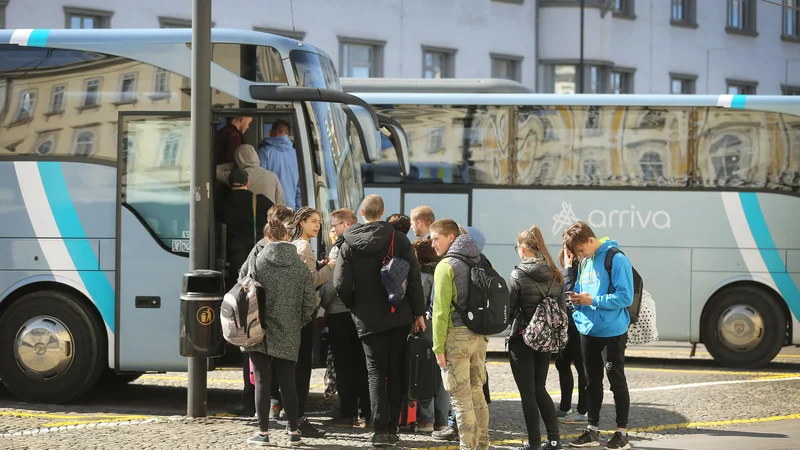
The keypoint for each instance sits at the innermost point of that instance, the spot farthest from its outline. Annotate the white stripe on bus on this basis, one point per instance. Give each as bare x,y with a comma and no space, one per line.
21,36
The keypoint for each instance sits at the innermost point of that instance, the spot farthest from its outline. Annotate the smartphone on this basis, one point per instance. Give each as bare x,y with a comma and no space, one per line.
571,293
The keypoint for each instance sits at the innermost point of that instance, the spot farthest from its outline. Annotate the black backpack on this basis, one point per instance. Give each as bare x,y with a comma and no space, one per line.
638,284
486,309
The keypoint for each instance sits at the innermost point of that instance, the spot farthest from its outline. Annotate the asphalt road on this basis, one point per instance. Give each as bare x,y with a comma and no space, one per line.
676,403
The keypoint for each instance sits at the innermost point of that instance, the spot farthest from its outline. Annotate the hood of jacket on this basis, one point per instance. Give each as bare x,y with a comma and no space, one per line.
369,238
538,269
464,245
246,157
279,143
605,244
428,267
280,253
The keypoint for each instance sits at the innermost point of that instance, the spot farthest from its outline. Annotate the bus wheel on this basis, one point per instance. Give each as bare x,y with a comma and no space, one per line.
744,327
51,349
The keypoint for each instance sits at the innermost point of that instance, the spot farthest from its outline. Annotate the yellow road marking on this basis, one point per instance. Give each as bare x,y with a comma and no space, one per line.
66,416
672,426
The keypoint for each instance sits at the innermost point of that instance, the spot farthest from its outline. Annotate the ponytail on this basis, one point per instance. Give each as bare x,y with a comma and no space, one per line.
275,230
533,240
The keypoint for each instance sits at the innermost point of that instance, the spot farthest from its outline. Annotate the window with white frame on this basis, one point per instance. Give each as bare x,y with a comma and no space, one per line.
621,82
791,19
162,81
682,84
127,88
57,98
45,147
507,67
27,104
565,79
170,149
438,63
684,12
83,18
623,8
91,92
742,16
361,58
84,143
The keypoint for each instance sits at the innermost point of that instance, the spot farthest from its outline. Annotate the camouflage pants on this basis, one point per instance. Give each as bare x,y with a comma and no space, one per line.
463,378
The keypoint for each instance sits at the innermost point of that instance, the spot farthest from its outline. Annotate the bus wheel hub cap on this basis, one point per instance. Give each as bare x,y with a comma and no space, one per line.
43,348
741,328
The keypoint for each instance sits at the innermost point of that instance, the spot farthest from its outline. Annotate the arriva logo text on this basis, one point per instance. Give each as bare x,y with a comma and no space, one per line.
616,218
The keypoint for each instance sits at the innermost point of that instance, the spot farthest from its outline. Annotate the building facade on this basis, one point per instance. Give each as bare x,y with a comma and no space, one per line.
629,46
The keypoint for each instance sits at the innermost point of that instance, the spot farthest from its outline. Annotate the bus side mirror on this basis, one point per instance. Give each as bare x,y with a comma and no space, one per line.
400,142
368,136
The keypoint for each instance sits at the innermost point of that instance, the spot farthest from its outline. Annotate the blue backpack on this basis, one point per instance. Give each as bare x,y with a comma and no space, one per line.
394,276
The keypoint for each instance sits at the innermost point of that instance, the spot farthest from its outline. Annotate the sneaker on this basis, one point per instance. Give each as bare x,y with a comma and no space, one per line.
574,417
364,422
425,427
307,430
439,427
394,439
380,440
560,412
551,445
342,422
275,411
259,439
294,439
589,438
448,434
618,442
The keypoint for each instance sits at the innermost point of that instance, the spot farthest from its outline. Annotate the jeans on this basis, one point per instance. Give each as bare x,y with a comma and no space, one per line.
386,359
529,368
606,354
350,365
262,373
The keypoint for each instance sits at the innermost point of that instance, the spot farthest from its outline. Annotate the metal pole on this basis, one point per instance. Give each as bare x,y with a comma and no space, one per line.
580,64
200,206
708,68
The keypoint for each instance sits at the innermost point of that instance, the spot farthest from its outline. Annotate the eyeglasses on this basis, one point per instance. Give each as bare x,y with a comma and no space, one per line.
336,224
516,248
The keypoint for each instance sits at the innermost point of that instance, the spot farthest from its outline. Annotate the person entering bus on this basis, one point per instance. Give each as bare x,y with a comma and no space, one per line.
277,154
261,181
229,138
602,319
289,305
306,226
530,282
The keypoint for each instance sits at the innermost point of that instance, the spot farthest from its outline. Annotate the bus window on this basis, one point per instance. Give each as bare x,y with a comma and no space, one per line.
157,177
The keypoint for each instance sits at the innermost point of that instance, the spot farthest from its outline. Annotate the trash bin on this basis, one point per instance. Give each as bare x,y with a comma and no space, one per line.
201,298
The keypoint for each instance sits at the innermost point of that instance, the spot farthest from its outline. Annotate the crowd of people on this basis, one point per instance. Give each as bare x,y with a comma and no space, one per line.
368,334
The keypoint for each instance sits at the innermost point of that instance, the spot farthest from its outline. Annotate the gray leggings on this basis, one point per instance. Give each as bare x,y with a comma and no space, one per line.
284,370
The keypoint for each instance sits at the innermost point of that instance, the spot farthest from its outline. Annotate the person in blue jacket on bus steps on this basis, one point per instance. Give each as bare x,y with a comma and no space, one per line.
277,154
601,304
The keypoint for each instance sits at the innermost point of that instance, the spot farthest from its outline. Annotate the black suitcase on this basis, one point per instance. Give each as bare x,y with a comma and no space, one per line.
422,372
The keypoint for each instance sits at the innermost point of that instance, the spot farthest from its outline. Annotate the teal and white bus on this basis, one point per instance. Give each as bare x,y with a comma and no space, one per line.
95,154
702,192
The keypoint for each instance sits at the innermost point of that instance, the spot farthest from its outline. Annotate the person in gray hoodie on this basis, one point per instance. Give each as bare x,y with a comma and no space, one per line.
261,181
289,305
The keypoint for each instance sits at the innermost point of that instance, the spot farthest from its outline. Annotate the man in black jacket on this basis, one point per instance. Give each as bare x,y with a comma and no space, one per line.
383,328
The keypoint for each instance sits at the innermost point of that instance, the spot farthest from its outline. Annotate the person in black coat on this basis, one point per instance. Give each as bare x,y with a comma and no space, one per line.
382,327
536,275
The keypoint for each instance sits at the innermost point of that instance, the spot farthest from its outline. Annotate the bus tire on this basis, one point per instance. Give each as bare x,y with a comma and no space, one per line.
744,327
64,369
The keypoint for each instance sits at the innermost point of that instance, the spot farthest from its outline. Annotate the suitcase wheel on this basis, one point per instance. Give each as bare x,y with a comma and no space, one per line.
414,427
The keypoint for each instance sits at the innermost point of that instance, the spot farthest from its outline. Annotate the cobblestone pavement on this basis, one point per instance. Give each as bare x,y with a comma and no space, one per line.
669,397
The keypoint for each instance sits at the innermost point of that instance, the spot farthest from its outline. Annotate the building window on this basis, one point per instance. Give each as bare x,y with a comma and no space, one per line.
790,90
92,90
590,168
162,81
652,166
791,18
621,82
593,121
45,148
82,18
624,9
170,149
565,79
742,17
684,13
361,58
84,144
173,22
738,87
57,99
127,88
653,120
682,83
27,103
727,154
507,67
438,62
3,4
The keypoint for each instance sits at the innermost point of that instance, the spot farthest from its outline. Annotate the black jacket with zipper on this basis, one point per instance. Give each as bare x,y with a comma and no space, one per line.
524,297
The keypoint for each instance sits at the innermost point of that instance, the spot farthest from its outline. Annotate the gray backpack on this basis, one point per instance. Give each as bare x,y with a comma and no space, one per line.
239,311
